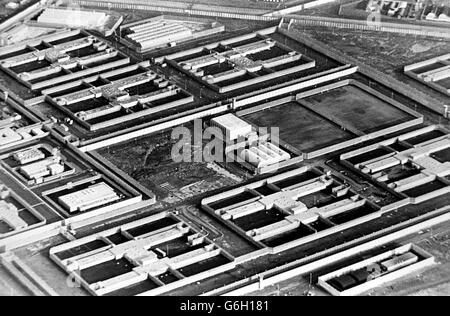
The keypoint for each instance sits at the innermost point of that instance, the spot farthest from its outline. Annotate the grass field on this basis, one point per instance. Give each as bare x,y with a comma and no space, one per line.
359,109
301,127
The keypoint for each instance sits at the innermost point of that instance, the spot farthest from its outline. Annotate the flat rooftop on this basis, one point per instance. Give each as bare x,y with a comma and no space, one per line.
291,208
240,62
434,73
161,31
415,165
158,253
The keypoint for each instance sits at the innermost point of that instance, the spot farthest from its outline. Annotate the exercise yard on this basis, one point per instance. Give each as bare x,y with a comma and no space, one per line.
301,128
359,108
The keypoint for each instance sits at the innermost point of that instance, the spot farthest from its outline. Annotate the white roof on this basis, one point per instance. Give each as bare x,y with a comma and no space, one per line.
231,122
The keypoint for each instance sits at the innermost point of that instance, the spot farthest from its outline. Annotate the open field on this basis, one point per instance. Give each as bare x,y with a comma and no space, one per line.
149,161
313,133
359,108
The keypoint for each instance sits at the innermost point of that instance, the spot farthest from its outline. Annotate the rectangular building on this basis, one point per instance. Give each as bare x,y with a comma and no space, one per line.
89,198
365,275
8,136
28,156
232,127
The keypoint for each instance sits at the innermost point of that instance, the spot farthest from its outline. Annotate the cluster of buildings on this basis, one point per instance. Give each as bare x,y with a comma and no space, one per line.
9,216
375,271
97,89
8,119
434,72
411,9
24,32
90,81
14,5
285,211
164,31
417,171
439,13
11,136
248,146
396,9
229,65
89,198
135,94
37,166
59,62
142,259
15,214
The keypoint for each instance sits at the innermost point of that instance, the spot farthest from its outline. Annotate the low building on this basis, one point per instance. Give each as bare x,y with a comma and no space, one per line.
157,33
232,127
376,271
9,214
264,154
89,198
434,73
164,31
29,156
38,170
8,136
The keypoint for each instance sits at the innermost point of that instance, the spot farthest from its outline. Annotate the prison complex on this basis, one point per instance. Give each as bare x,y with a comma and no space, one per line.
88,181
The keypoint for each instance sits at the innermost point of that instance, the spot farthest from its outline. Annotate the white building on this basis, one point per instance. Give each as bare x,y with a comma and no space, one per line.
8,136
40,169
29,156
73,18
158,33
264,154
89,198
232,127
10,215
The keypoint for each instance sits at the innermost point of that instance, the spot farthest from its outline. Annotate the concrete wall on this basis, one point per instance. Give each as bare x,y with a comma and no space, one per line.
79,74
196,9
300,7
370,284
140,114
345,71
387,142
407,29
30,9
33,42
265,106
26,276
198,49
155,128
268,77
214,110
370,72
333,255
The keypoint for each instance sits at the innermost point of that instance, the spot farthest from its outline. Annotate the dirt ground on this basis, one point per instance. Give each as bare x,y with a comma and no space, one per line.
149,161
